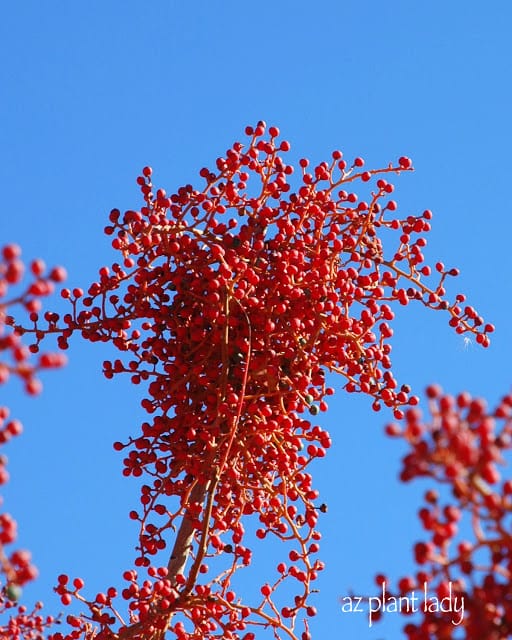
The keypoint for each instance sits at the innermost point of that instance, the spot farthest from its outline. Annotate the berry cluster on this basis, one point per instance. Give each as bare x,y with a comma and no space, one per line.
16,568
230,302
15,355
462,447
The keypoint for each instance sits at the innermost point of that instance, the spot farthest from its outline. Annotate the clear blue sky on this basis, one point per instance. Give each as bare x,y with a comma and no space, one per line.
92,91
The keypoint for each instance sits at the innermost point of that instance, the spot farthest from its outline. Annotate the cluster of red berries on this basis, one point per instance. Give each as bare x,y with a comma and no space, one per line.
462,447
229,304
16,355
23,624
16,568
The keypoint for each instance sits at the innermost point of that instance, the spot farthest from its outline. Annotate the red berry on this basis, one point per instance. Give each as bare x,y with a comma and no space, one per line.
11,252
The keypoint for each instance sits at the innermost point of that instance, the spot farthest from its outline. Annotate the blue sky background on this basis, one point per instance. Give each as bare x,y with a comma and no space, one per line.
92,91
